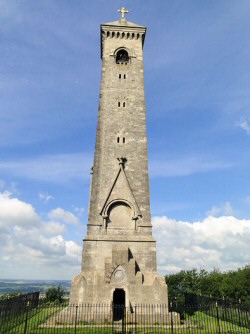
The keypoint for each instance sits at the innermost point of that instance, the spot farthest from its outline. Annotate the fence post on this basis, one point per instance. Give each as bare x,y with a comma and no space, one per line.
239,313
76,317
135,321
123,319
171,319
26,317
113,311
217,316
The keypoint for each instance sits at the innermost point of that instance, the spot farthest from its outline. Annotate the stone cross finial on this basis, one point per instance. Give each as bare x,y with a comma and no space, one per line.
123,11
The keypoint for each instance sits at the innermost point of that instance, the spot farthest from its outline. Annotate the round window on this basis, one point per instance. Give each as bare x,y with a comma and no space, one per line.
119,276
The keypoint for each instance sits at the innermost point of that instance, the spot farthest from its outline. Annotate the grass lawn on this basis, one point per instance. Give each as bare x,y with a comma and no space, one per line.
198,323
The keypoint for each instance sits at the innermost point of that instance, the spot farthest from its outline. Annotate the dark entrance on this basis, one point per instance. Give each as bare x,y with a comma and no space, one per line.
118,304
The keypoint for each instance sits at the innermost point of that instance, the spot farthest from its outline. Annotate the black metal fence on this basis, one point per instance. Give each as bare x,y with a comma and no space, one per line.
13,309
107,319
223,309
194,299
14,306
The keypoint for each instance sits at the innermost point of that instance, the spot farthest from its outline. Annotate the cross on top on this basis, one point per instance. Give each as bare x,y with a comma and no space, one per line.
123,11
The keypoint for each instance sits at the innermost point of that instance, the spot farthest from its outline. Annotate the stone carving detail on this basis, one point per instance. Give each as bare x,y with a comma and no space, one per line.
122,161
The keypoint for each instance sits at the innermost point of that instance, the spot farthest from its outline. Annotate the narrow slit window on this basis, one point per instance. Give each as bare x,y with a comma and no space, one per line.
118,140
124,76
120,76
124,104
123,140
119,104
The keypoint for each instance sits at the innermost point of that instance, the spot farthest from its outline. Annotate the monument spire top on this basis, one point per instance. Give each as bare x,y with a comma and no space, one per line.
123,11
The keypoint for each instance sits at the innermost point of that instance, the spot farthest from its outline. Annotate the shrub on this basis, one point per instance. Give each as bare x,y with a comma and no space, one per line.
55,295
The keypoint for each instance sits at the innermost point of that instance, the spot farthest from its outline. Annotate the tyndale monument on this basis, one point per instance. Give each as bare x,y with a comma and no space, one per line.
119,252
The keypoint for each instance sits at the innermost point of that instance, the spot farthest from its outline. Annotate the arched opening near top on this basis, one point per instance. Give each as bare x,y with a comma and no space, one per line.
120,215
122,57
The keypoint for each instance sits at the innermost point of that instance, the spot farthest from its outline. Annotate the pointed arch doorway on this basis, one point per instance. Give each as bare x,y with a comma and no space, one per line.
119,302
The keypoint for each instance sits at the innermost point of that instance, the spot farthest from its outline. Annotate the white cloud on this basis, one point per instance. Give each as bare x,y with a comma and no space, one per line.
9,187
64,216
72,249
226,209
244,125
13,211
216,242
52,228
79,211
45,197
33,248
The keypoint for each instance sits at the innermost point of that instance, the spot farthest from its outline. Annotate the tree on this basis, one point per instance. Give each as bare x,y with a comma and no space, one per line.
55,295
233,285
10,295
184,281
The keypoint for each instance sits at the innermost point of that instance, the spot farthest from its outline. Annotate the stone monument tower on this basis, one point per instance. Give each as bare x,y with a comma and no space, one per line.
119,253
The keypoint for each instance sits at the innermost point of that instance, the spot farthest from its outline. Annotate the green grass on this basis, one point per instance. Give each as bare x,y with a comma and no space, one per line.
35,318
208,324
198,323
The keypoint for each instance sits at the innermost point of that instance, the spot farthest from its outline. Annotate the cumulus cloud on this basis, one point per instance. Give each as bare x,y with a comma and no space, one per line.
79,211
13,211
244,125
33,248
64,216
215,242
52,228
10,187
45,197
29,242
225,209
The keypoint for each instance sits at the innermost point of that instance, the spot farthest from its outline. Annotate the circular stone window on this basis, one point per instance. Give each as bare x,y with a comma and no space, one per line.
119,276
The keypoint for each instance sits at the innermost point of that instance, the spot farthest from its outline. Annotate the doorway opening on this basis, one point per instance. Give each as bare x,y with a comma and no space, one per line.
119,299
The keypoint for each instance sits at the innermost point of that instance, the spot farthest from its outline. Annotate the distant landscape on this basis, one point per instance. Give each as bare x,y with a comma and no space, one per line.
9,286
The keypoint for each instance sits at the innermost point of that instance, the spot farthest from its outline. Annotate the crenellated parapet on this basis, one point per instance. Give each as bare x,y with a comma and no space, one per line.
123,35
122,30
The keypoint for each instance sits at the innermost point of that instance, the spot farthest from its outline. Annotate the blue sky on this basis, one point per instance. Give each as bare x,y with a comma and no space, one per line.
197,83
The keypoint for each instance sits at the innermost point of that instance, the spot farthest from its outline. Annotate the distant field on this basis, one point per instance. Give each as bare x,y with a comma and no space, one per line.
24,286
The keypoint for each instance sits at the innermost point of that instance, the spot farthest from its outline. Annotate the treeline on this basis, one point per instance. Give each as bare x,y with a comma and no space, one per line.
233,285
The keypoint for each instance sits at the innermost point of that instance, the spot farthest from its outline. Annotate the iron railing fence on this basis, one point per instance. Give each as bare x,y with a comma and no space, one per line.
220,313
21,299
107,319
14,306
224,309
194,299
